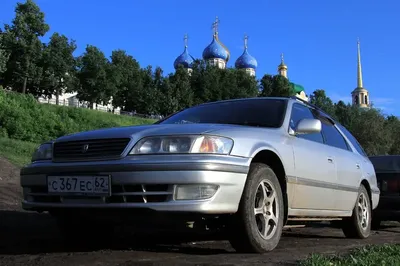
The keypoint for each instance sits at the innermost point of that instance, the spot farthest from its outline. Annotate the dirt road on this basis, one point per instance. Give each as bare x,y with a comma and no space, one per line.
32,239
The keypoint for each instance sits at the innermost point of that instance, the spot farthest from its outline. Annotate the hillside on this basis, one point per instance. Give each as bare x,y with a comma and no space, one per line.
16,151
23,118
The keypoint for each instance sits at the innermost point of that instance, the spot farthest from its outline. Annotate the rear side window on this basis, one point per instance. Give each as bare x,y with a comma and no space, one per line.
352,139
332,135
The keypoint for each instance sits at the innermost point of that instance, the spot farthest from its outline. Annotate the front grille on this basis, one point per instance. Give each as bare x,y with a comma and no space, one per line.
119,194
140,193
89,149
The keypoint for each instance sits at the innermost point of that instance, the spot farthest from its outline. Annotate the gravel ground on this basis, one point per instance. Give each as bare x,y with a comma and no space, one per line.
32,239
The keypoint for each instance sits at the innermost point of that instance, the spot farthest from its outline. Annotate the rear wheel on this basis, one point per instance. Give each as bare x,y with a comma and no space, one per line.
359,224
257,226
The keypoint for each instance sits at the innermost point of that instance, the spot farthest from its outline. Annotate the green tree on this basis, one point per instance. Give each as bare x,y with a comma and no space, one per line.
226,88
93,77
149,97
247,86
58,65
266,85
4,54
180,92
168,102
124,80
392,128
211,89
371,130
320,99
344,113
275,86
22,38
197,81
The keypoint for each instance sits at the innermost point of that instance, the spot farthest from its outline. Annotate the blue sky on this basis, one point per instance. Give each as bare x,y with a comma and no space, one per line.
317,37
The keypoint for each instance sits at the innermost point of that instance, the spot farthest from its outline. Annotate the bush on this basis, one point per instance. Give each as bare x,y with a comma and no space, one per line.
23,118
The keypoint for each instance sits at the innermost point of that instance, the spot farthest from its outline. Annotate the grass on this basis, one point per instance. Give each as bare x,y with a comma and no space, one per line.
23,118
388,254
16,151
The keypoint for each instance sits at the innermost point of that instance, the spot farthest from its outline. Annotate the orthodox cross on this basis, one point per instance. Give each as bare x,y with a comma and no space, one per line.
185,39
215,25
245,39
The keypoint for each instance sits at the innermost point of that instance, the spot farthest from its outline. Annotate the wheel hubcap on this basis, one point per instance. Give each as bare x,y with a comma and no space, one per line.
363,211
266,209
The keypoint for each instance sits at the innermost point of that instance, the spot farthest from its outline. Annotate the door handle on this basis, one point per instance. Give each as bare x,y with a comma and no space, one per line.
330,159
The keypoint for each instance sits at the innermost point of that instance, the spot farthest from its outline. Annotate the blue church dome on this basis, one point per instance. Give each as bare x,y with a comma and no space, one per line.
185,59
246,61
216,50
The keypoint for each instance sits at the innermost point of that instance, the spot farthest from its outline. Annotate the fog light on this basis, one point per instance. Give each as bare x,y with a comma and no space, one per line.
195,192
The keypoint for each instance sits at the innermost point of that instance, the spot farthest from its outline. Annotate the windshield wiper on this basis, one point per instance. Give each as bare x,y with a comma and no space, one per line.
184,122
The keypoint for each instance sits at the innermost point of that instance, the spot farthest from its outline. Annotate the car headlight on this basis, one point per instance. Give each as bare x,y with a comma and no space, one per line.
43,152
183,144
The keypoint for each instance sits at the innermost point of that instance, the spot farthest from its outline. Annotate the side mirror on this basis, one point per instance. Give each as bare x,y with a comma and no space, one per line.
308,126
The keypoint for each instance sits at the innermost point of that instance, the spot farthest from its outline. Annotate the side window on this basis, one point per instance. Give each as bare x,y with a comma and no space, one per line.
299,112
332,136
352,139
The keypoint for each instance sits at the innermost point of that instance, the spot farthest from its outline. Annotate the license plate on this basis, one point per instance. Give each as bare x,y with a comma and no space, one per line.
79,185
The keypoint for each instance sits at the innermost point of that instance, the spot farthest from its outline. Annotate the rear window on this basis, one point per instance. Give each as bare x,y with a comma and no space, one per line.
352,139
249,112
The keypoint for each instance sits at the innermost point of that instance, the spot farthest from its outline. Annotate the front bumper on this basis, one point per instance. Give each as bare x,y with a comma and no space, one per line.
146,182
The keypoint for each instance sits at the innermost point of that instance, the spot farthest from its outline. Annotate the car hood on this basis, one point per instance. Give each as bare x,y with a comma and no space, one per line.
145,131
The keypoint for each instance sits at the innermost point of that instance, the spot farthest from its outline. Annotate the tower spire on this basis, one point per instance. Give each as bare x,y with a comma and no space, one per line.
360,95
282,61
359,71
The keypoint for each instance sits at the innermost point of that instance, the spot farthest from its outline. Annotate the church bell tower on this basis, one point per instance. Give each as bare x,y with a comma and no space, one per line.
360,96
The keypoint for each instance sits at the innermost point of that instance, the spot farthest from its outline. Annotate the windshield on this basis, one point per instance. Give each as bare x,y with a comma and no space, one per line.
249,112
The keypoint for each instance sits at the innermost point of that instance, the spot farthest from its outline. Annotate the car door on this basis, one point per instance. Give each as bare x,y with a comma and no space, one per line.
347,163
350,172
315,171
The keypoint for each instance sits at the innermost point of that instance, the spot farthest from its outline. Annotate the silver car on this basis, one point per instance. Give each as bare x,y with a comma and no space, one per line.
245,165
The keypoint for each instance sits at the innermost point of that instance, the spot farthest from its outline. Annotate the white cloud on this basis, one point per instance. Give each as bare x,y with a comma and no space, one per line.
383,101
336,97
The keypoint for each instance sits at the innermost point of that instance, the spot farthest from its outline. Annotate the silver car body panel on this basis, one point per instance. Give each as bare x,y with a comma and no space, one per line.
321,180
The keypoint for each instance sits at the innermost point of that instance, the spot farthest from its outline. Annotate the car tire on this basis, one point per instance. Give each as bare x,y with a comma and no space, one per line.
359,224
258,229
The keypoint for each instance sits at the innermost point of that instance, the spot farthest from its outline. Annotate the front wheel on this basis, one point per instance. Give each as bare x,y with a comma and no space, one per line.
359,224
257,226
